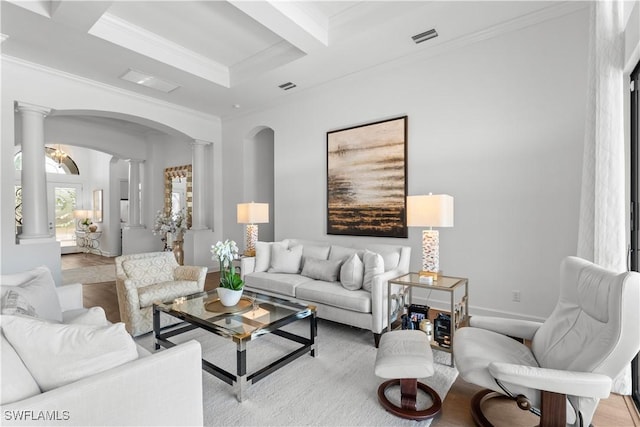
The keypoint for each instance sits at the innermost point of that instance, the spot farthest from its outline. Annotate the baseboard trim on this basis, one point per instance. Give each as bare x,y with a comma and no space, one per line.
475,310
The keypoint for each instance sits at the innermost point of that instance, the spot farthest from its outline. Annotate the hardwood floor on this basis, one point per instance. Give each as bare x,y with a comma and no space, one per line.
616,411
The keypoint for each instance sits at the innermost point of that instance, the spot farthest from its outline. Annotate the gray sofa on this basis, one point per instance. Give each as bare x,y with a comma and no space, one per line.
313,280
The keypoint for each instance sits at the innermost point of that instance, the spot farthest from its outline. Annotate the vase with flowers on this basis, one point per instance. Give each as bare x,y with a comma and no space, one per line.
170,227
231,285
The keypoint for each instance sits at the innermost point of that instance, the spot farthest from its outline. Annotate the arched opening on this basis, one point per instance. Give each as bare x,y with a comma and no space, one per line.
259,182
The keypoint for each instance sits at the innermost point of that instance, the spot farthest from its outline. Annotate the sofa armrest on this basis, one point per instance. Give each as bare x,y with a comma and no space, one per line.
379,297
129,394
70,296
247,265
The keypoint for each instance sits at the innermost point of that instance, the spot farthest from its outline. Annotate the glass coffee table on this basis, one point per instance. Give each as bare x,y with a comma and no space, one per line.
254,316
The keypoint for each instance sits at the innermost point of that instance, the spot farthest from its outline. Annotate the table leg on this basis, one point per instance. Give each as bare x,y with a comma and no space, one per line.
156,326
241,370
313,320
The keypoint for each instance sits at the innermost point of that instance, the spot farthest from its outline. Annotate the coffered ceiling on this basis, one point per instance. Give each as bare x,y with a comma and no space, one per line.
225,57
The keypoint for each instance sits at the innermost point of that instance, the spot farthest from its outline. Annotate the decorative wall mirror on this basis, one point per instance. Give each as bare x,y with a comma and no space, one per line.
178,191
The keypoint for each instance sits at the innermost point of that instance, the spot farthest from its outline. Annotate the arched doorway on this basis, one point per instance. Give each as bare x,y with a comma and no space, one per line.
259,185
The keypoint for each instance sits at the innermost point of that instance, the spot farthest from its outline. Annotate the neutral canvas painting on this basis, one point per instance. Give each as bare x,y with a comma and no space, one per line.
366,179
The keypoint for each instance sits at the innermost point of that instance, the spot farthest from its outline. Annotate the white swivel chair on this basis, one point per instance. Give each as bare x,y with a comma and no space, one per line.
590,337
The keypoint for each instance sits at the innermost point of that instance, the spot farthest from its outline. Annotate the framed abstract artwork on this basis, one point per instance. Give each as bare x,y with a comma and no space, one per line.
367,179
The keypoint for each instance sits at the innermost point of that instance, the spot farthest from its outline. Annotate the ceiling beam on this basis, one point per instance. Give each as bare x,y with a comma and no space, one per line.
80,15
290,21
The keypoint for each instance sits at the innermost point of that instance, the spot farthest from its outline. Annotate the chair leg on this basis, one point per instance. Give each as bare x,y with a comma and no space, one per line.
410,413
554,409
408,393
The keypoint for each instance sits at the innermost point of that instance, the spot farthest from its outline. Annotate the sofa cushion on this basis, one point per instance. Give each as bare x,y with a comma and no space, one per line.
166,291
17,382
390,255
335,295
341,252
373,265
14,303
58,354
322,269
285,260
352,273
148,270
94,316
281,283
263,255
38,288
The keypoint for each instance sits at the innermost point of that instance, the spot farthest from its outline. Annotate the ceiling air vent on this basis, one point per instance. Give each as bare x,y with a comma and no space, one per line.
287,86
419,38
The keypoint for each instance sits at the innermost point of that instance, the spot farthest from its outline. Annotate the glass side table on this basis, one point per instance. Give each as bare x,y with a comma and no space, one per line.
458,289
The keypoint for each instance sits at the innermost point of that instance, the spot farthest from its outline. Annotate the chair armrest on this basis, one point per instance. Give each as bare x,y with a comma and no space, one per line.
70,296
584,384
129,394
517,328
247,265
190,272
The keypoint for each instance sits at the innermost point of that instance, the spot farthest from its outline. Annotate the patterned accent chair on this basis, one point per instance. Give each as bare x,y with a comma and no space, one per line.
142,279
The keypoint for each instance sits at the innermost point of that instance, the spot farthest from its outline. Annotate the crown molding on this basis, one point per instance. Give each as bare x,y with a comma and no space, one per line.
123,33
104,86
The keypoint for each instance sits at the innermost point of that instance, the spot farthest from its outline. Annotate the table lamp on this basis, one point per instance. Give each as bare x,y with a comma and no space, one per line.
252,214
433,210
81,215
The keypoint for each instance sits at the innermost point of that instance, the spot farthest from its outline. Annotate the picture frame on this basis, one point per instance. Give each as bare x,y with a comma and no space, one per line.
367,179
97,205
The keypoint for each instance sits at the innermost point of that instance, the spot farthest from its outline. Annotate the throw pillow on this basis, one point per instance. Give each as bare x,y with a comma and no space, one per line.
321,269
58,354
263,255
148,271
285,260
38,287
16,304
373,265
17,383
352,273
313,251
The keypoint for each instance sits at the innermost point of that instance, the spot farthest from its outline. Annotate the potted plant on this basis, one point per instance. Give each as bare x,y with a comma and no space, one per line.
231,285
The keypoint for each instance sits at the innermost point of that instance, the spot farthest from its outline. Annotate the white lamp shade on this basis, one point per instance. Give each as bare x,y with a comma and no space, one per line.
82,214
253,213
433,210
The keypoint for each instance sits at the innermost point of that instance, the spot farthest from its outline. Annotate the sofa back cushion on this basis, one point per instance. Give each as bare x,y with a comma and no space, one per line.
38,288
147,271
17,382
263,255
57,354
390,254
285,260
343,253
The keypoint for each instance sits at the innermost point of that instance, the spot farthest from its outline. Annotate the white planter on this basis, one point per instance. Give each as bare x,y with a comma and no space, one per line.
229,297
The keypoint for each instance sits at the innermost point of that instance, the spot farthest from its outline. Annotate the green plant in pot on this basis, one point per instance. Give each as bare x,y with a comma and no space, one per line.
231,285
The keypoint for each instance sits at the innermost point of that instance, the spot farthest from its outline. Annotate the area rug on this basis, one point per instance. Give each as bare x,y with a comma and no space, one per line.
85,275
336,388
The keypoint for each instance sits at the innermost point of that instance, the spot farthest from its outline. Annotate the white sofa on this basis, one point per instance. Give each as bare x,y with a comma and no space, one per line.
163,388
335,301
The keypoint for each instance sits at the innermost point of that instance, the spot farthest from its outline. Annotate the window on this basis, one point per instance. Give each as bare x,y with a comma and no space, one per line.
65,166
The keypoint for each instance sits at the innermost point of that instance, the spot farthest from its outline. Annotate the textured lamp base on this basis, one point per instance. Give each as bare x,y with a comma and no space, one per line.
434,274
251,237
430,253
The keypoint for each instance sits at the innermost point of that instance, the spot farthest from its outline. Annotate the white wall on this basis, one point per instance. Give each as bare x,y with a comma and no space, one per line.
497,124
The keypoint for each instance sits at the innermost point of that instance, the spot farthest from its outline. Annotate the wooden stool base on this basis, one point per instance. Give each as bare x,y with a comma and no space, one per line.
408,398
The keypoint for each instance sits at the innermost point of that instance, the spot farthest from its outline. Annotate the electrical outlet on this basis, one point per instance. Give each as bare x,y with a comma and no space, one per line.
515,296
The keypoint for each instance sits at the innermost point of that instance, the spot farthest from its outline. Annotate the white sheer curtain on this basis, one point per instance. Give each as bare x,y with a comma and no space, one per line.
602,235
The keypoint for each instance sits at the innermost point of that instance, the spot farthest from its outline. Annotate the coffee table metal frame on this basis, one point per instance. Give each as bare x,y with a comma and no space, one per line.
242,378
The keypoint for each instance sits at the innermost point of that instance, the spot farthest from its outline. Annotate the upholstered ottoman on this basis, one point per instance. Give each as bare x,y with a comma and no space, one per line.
403,357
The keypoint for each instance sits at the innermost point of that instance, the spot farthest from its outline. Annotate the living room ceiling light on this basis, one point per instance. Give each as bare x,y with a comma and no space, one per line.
148,80
419,38
287,86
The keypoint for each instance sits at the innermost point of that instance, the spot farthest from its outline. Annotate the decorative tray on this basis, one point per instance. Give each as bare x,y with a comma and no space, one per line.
215,306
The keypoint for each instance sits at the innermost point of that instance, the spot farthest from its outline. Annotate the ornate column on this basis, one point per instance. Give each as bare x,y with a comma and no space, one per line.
34,177
134,193
199,184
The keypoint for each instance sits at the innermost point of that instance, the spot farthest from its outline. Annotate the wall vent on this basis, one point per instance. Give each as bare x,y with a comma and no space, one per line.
287,86
419,38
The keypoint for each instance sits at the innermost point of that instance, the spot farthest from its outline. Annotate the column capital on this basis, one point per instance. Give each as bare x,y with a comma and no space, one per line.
22,107
201,142
133,161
